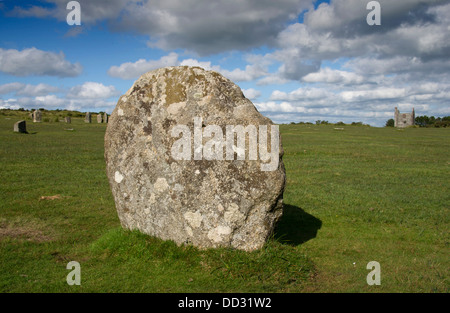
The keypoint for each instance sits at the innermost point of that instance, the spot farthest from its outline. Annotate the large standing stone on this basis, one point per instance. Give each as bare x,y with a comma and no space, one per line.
170,179
105,117
37,116
20,127
68,119
87,119
99,118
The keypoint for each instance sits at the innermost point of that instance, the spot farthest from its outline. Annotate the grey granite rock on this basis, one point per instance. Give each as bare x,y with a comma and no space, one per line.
212,193
20,127
37,116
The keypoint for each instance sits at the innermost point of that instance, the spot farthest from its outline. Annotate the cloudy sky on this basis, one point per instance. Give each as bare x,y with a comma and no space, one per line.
297,60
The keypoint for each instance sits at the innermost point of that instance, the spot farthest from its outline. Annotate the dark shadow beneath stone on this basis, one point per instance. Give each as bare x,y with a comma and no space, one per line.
296,226
26,133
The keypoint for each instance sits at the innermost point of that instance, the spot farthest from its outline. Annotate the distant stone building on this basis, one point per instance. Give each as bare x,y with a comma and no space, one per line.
402,120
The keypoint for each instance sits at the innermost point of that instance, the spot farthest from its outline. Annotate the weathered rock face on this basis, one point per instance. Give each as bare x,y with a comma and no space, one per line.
20,127
173,172
37,116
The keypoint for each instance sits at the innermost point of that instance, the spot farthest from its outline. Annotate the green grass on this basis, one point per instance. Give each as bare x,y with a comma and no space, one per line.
353,196
381,194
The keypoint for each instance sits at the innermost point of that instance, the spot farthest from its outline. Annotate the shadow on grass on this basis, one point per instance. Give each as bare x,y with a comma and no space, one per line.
296,226
25,133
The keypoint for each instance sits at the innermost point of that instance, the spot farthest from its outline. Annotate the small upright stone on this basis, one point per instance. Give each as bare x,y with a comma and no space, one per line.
87,119
68,119
20,127
99,118
37,116
105,118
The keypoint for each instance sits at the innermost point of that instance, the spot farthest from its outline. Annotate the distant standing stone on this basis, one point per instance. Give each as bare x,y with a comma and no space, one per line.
105,118
87,119
37,116
99,118
20,127
68,120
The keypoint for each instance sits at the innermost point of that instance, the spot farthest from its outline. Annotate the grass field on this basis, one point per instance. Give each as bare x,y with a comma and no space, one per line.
353,196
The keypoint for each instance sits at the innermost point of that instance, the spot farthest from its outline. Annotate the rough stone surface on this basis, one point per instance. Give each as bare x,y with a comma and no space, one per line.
402,120
20,127
37,116
207,203
68,119
99,118
88,118
105,117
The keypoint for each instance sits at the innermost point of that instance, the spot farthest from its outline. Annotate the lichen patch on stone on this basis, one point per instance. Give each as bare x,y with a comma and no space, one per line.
161,185
193,218
118,177
233,216
174,108
219,233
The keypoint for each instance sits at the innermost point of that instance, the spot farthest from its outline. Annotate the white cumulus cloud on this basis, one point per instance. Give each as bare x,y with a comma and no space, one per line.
93,90
251,93
32,61
132,70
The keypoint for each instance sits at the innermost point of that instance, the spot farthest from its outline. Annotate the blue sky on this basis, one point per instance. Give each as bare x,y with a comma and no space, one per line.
297,60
